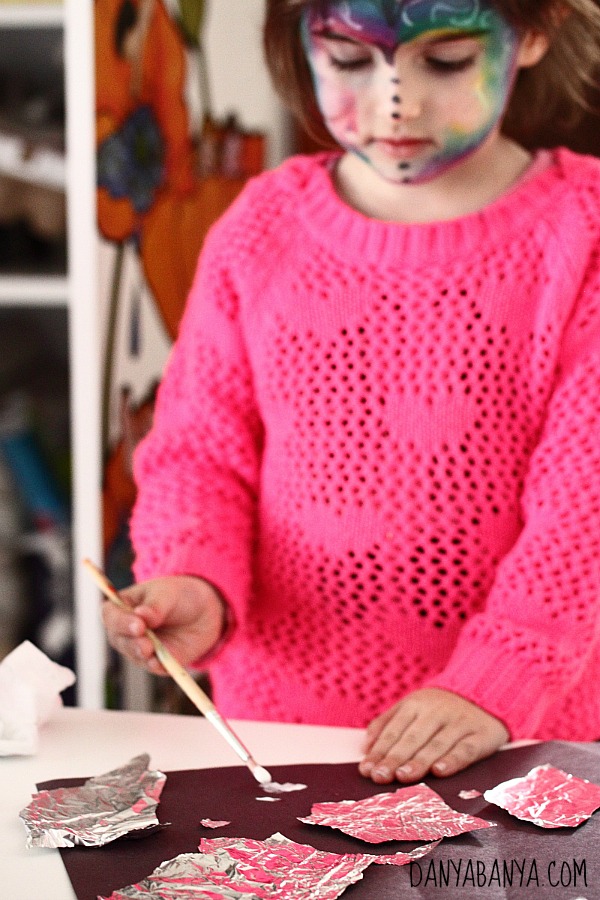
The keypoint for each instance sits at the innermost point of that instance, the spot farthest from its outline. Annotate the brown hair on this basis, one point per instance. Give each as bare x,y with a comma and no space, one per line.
557,89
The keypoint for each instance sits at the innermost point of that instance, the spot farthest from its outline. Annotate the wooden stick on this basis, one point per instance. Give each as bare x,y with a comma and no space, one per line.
183,678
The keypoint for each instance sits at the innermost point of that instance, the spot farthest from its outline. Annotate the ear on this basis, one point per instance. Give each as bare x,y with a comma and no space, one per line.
532,49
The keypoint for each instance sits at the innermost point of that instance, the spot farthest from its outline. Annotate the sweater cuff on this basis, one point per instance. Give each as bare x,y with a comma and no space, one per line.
226,632
225,574
227,584
511,693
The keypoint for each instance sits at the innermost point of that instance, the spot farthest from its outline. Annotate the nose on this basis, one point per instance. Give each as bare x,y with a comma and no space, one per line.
400,99
410,106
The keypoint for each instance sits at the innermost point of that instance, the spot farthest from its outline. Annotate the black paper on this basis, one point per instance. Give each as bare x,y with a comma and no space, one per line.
515,859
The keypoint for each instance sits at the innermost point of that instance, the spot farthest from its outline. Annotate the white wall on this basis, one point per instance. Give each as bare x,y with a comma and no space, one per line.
239,77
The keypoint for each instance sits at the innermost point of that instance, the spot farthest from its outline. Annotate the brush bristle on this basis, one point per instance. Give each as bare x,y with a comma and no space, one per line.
261,775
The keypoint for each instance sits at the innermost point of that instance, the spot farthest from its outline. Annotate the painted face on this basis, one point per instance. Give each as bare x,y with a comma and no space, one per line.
413,87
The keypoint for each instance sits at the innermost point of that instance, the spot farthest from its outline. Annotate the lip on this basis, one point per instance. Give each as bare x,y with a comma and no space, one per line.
402,148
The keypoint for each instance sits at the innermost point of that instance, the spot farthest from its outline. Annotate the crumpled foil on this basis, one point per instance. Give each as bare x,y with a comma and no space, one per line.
247,869
214,823
102,810
548,797
413,813
400,858
469,795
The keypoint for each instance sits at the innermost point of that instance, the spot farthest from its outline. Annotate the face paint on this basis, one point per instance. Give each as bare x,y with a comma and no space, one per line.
413,87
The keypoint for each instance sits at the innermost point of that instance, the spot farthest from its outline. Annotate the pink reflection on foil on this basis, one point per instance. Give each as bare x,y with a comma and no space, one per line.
469,795
245,847
231,868
214,823
411,813
234,868
100,811
548,797
402,859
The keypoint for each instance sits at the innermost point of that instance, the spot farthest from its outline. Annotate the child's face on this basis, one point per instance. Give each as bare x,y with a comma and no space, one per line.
412,86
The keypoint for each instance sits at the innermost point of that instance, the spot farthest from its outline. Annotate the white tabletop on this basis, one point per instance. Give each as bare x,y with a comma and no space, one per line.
79,743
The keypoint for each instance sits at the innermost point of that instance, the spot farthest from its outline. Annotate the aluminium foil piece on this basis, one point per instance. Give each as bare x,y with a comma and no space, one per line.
413,813
248,869
105,808
547,797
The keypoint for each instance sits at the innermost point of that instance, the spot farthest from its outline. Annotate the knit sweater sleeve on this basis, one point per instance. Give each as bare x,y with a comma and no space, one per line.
197,470
541,625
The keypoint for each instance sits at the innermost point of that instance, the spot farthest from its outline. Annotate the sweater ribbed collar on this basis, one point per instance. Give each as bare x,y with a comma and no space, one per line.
351,234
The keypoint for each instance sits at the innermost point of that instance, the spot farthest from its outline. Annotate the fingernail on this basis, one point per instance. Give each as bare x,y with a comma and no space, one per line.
382,772
133,628
440,767
366,768
404,771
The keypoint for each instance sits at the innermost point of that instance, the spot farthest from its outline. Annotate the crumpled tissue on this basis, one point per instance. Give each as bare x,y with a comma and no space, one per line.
30,686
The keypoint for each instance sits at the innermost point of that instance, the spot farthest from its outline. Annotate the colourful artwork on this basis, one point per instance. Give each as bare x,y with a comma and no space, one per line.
151,185
165,173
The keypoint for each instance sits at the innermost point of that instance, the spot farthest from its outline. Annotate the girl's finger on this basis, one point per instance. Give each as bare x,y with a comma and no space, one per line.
375,728
435,752
469,749
460,756
405,731
133,595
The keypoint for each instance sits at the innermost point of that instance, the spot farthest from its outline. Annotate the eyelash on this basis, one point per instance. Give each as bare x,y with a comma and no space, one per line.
348,65
440,66
449,67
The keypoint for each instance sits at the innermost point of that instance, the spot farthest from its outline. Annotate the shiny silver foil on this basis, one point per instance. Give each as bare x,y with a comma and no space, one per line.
239,846
246,869
469,795
214,823
414,813
402,859
102,810
548,797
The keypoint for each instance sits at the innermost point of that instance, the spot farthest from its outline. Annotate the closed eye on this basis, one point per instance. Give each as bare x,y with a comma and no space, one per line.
349,65
450,66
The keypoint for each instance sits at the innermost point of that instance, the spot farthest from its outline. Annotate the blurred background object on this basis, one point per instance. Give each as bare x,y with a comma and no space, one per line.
32,151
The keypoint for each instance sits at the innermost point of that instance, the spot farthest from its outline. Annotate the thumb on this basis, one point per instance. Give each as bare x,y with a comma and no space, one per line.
152,616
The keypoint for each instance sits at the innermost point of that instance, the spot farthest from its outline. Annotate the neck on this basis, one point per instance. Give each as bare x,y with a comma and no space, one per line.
462,190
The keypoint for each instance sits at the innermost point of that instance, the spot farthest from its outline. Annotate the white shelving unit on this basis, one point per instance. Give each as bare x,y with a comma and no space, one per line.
84,326
34,290
76,292
31,15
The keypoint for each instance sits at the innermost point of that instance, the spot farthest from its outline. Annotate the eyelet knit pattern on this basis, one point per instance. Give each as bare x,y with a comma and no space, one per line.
381,442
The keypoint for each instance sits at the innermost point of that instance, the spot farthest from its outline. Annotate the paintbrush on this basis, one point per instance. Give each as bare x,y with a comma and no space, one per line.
185,681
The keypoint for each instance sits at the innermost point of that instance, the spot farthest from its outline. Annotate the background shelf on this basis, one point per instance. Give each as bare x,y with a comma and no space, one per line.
31,14
34,290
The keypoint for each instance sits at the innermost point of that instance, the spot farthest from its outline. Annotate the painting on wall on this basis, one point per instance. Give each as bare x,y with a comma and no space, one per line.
167,168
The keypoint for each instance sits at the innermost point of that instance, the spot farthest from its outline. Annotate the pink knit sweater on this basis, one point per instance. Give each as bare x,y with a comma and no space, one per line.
382,443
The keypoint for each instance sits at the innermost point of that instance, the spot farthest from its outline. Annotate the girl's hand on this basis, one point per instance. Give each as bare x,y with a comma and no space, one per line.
430,730
185,612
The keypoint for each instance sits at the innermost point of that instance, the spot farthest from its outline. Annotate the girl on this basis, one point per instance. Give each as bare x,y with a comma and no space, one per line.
371,496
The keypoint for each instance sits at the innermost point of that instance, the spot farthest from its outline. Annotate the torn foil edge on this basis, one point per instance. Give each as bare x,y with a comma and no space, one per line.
103,809
236,868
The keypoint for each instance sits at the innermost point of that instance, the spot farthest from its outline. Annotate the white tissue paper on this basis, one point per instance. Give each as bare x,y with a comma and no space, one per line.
30,686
